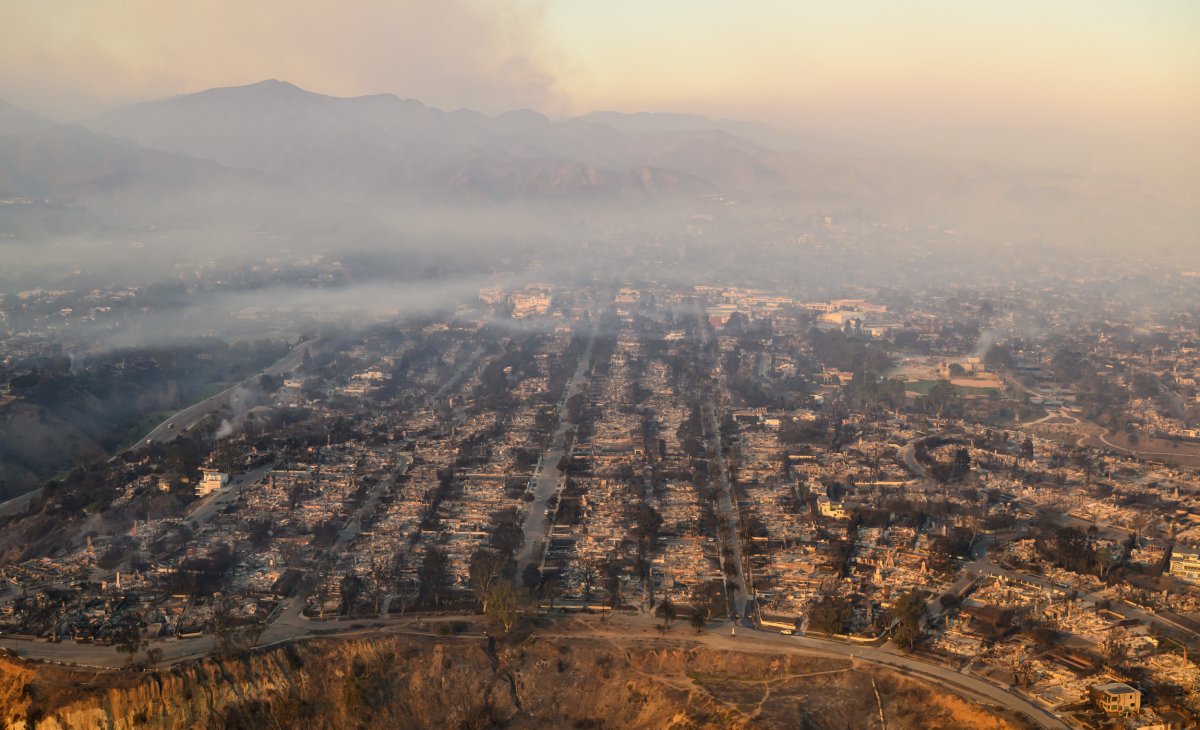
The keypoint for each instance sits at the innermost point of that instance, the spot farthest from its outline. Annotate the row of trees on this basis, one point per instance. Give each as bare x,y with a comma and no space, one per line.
1076,550
834,614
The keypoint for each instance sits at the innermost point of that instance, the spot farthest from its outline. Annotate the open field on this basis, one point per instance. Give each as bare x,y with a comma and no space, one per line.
922,387
1154,449
1071,430
621,673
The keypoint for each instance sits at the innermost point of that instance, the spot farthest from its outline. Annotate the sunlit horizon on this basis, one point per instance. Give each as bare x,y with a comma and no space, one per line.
1121,74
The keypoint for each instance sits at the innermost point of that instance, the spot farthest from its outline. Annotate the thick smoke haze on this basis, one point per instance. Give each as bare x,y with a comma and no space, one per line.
89,57
934,143
870,324
1071,85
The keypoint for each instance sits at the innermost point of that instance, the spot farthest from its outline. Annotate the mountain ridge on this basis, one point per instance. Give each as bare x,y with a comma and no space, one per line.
382,142
383,150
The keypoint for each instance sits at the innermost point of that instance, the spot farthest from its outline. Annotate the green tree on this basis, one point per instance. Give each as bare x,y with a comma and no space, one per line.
940,396
223,624
588,573
552,586
127,635
667,612
830,615
531,578
710,598
575,408
501,604
910,617
434,576
507,537
962,463
998,358
647,521
1083,461
485,571
612,582
352,588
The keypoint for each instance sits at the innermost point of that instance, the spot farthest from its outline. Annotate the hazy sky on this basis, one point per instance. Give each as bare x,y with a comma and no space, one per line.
1090,66
1055,60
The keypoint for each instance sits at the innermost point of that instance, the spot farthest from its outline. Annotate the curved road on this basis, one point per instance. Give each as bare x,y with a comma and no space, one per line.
965,685
962,684
193,414
909,455
18,505
181,421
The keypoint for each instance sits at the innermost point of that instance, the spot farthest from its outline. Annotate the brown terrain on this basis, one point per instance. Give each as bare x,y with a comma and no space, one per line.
470,681
1071,430
1176,453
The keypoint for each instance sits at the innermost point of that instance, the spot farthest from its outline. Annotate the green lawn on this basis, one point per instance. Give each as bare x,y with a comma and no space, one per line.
922,387
207,392
150,421
138,431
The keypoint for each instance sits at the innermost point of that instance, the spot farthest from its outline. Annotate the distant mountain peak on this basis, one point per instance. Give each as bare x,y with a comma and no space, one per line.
270,85
527,114
268,88
387,100
15,120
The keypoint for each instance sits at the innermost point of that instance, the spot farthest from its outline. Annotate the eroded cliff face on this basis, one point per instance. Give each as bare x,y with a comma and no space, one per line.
471,682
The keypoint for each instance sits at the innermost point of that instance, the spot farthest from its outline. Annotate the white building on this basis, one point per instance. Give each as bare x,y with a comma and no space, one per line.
527,303
1117,698
212,481
1185,563
833,508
